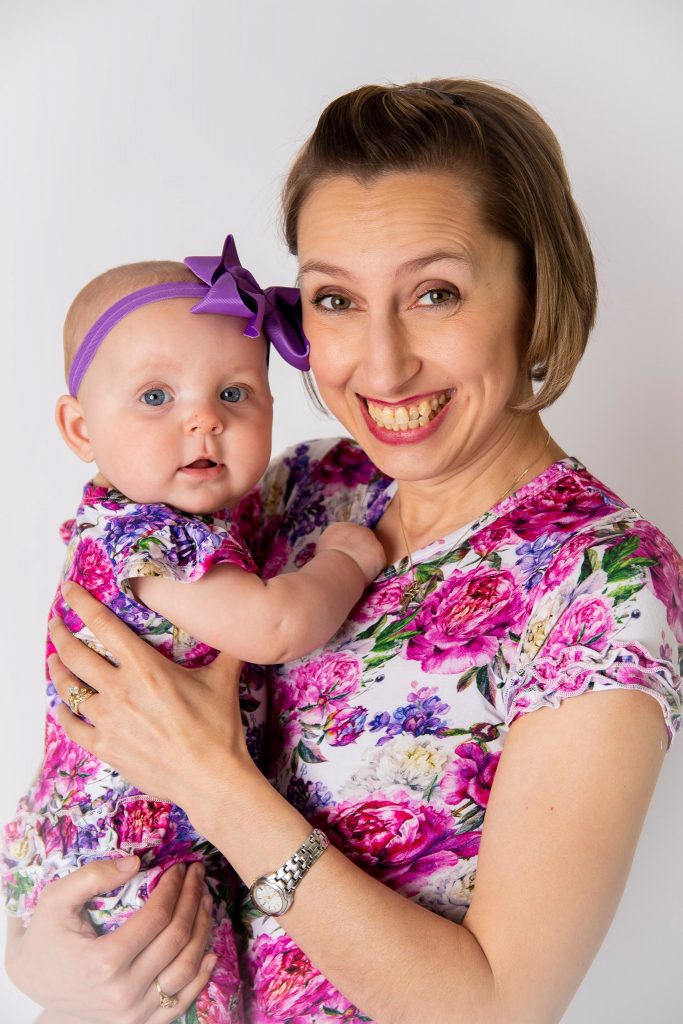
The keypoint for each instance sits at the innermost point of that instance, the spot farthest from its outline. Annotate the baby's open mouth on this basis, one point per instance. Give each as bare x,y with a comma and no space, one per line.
201,464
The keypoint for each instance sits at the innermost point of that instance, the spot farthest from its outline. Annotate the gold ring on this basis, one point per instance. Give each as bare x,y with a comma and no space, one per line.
77,694
166,1002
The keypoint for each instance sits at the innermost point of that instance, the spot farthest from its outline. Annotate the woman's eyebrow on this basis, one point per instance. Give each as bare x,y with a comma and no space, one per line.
418,263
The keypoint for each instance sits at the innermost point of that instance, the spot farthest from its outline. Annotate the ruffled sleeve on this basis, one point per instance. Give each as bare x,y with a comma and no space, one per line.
157,540
608,615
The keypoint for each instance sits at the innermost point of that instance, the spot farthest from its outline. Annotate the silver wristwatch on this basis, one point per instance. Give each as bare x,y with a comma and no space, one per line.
274,894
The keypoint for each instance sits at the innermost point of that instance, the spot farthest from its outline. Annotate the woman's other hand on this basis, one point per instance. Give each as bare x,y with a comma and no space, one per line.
146,705
61,963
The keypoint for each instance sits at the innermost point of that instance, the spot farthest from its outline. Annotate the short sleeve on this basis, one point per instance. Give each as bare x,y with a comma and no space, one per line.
608,615
157,540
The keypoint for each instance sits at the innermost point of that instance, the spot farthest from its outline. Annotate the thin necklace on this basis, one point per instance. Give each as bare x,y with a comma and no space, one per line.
417,590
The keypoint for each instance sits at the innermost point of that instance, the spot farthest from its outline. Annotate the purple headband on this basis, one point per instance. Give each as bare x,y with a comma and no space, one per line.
224,286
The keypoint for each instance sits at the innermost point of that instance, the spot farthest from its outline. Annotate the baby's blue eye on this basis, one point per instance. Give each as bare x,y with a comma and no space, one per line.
156,396
234,393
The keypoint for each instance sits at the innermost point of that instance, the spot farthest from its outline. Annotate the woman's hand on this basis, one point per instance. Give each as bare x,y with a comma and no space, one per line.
62,964
167,729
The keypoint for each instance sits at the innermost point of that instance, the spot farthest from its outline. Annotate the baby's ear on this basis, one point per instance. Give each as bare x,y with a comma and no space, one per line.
70,419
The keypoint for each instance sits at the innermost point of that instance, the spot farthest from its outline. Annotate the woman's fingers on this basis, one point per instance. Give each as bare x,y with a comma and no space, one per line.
66,897
112,633
185,996
78,658
179,946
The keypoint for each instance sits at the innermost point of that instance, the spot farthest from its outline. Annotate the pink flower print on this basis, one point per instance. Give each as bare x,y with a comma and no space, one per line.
140,823
465,620
397,839
471,775
59,835
345,725
570,502
567,561
286,986
220,1002
585,627
666,575
92,569
67,769
322,685
382,598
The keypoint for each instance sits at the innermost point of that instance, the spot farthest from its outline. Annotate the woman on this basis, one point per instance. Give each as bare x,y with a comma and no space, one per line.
443,269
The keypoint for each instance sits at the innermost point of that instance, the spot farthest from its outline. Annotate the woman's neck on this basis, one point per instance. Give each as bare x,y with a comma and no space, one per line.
426,510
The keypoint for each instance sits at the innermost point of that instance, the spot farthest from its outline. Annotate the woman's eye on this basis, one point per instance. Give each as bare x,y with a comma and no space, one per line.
234,394
156,396
335,303
437,297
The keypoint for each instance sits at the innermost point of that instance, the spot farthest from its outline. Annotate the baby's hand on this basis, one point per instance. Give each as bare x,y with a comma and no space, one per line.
359,543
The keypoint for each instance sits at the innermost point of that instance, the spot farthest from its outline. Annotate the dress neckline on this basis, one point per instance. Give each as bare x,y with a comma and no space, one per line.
555,471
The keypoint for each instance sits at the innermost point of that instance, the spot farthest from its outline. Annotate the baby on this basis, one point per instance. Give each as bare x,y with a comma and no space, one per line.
169,396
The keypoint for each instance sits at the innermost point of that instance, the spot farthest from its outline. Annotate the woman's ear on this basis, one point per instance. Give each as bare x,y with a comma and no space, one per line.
70,419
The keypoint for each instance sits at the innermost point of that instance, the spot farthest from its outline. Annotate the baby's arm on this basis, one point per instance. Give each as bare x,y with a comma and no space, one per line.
277,620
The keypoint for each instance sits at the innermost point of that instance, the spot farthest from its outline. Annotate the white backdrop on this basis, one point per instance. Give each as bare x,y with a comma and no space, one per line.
141,130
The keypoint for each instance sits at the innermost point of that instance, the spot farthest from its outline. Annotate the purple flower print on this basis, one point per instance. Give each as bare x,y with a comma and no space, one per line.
534,558
465,621
471,775
307,796
345,465
418,717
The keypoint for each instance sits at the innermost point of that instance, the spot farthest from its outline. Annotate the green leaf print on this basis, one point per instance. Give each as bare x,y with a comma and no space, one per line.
375,627
191,1016
615,556
625,593
484,683
465,679
312,755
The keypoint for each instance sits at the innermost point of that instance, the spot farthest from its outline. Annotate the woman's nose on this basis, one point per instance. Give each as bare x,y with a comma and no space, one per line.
204,421
391,359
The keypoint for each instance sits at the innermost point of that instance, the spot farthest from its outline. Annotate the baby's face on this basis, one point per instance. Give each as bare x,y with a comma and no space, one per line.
178,407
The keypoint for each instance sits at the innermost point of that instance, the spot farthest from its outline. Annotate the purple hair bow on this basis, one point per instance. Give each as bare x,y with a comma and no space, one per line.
233,291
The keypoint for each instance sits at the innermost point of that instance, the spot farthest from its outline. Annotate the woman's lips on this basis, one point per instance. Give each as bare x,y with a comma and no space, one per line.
409,422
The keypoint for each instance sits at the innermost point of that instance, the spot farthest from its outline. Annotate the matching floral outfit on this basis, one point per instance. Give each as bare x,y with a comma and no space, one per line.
79,809
389,736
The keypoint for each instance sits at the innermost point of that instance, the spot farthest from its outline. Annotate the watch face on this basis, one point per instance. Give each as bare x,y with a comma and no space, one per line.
268,898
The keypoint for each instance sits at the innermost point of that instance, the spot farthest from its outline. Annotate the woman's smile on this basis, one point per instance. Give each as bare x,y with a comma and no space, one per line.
409,421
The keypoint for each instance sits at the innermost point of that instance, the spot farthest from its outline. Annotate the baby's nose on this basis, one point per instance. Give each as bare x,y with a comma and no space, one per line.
204,422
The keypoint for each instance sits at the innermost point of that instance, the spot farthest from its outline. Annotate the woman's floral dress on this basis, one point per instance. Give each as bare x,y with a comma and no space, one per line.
388,737
79,809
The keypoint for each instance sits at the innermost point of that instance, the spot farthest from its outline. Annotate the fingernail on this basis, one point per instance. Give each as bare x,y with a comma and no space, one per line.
67,588
207,904
211,963
126,864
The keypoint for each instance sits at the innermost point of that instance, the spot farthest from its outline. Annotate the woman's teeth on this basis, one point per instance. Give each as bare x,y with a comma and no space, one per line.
409,417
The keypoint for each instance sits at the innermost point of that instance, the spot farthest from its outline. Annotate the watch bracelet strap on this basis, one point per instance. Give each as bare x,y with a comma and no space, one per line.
294,869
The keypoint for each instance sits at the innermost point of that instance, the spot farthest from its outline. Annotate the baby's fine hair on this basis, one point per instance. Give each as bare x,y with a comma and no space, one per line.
106,289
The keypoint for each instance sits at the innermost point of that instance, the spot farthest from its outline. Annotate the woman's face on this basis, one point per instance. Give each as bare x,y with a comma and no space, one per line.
416,318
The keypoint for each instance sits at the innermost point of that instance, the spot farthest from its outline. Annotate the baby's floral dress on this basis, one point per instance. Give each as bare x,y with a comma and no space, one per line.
79,809
388,737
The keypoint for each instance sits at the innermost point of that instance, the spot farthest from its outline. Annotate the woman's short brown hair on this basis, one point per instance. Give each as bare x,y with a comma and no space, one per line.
505,152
